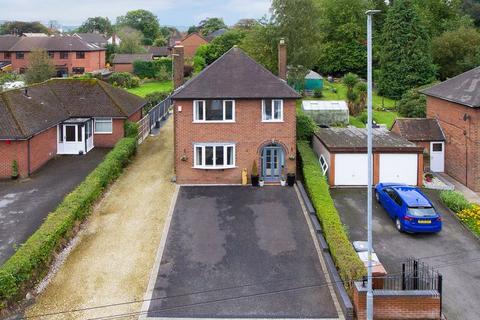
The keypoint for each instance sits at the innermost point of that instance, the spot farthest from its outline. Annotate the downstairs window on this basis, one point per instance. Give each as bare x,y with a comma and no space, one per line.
214,156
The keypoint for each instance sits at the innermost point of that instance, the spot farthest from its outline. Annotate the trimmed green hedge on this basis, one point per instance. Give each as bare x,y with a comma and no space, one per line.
30,262
131,129
151,69
349,265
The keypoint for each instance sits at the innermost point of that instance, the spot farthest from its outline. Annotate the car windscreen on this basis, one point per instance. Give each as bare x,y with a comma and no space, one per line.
421,211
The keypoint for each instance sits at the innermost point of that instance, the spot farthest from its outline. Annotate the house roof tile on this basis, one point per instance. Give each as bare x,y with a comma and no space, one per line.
128,58
420,129
55,43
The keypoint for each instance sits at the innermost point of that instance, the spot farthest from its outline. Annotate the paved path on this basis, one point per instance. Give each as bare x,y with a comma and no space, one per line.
24,204
469,194
454,251
239,252
117,247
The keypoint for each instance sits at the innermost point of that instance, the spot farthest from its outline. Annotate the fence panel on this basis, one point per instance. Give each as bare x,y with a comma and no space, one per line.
147,123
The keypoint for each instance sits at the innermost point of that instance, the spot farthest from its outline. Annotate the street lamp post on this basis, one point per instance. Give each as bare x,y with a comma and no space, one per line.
369,14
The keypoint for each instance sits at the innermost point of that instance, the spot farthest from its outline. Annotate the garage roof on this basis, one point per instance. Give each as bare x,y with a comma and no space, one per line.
354,140
420,129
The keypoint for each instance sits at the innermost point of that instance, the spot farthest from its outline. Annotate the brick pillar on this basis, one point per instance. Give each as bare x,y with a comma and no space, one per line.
282,59
178,67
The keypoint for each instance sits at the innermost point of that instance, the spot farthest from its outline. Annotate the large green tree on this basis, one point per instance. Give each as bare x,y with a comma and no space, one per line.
405,54
472,8
261,44
40,67
210,25
96,24
19,27
131,41
456,51
144,21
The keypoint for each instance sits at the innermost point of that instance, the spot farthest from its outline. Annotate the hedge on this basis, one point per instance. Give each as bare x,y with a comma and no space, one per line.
454,200
349,265
31,261
150,69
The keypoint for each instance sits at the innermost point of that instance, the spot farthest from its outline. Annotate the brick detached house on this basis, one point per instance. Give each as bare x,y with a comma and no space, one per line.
231,114
455,103
61,116
70,54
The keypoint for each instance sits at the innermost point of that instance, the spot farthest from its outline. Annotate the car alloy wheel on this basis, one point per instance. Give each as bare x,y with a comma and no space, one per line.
398,225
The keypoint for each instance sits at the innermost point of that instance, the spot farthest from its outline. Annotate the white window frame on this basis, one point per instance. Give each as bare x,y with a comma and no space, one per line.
213,145
204,115
272,110
102,120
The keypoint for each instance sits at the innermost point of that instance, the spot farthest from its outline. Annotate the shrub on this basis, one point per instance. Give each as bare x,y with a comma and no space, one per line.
306,127
131,129
30,262
14,168
154,98
150,69
454,200
349,265
124,80
317,93
413,104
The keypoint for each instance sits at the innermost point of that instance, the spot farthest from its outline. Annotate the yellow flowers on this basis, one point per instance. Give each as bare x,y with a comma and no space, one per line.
471,217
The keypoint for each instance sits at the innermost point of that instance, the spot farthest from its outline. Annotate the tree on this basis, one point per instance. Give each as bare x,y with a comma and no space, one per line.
40,67
245,24
456,51
210,25
342,27
350,80
131,41
405,54
220,45
144,21
96,25
160,41
413,104
472,8
261,44
20,27
192,29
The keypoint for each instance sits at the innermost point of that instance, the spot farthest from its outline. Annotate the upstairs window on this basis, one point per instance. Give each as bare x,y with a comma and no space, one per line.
214,156
272,110
20,55
63,55
80,55
214,110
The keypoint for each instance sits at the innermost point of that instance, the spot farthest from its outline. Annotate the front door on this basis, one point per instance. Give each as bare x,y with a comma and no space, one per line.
71,139
437,156
272,163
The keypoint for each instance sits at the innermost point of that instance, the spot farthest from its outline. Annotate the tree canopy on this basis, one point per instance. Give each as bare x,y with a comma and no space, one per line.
144,21
40,67
131,41
96,24
209,25
20,27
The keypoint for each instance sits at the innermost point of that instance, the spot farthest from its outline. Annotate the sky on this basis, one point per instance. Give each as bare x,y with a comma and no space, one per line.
180,13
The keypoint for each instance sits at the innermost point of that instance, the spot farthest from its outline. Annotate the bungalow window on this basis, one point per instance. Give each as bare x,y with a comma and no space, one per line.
272,110
78,70
213,110
20,55
103,125
80,55
214,156
63,55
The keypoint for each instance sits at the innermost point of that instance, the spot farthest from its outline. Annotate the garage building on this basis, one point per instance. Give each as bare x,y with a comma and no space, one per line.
343,157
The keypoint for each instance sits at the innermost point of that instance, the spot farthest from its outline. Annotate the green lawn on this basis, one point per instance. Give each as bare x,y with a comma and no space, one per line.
152,86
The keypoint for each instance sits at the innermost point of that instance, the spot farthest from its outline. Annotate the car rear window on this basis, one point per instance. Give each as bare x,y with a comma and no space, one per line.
421,212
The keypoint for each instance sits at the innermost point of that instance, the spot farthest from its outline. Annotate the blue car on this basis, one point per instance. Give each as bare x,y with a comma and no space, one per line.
411,210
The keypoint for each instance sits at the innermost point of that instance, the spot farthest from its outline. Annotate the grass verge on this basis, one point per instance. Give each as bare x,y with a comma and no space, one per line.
349,265
31,261
152,86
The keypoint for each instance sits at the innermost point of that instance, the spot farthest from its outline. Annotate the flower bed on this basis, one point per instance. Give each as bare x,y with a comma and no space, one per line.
471,218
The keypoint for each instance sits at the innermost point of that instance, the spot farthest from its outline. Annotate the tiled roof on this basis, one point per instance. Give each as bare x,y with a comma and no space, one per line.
23,114
235,75
56,43
159,51
128,58
463,89
95,38
355,140
420,129
6,42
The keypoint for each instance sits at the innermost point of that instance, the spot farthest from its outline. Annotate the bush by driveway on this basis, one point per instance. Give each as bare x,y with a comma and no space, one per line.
455,251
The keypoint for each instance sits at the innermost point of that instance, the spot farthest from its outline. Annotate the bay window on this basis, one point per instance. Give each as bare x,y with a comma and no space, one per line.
272,110
214,110
214,156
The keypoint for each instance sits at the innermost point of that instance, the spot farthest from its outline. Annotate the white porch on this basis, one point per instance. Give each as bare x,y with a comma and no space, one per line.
75,136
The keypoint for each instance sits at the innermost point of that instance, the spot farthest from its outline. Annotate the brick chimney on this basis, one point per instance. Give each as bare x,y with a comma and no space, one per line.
178,68
282,59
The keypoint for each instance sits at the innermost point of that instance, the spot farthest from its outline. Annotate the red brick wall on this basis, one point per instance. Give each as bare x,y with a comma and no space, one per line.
109,140
248,132
43,147
136,116
462,139
94,60
9,151
123,67
402,306
191,44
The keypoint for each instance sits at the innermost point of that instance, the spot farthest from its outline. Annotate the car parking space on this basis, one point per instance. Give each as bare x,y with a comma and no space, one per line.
454,250
25,204
236,252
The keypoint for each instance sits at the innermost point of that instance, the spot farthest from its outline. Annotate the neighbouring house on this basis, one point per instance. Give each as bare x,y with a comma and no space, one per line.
232,114
215,34
327,113
455,103
175,37
61,116
342,155
34,34
70,54
114,39
158,52
191,42
97,39
6,42
123,62
427,133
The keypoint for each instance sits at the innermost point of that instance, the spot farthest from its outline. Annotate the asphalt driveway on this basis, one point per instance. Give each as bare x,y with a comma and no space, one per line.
25,204
454,251
240,252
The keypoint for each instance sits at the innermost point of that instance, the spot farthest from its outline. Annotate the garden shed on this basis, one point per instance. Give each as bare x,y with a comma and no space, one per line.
327,113
313,81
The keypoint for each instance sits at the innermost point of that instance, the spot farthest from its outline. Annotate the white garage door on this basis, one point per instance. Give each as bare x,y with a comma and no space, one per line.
351,169
400,168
